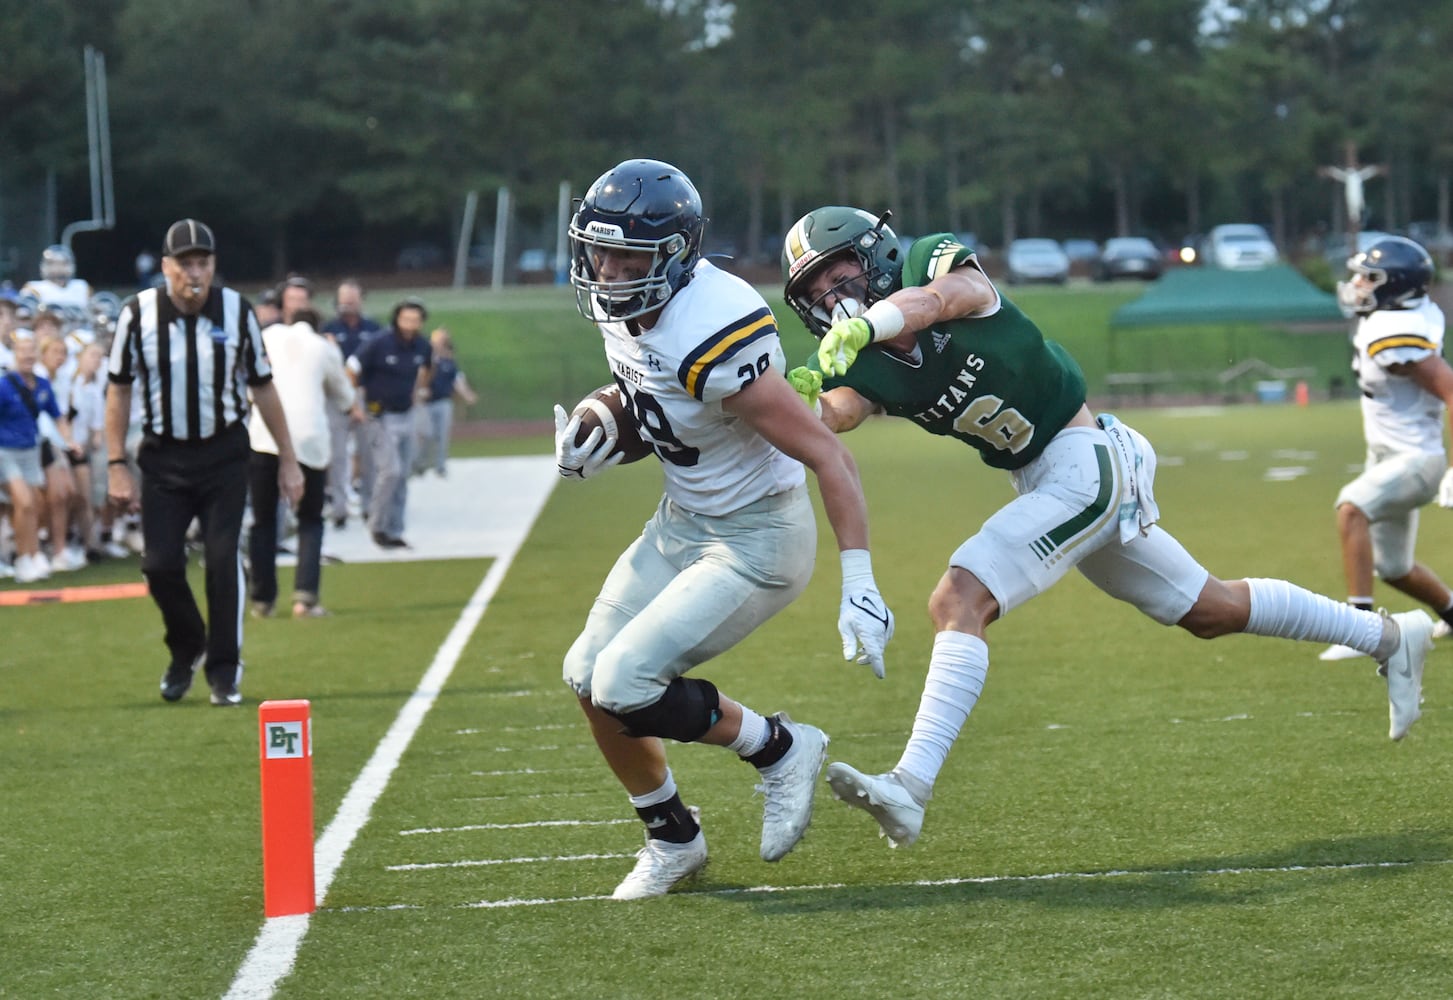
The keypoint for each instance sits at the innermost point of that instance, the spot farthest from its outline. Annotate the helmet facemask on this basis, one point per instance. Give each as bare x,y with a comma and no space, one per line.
851,292
851,234
613,301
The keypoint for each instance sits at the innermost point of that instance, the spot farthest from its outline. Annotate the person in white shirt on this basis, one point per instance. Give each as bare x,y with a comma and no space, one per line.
1407,391
59,495
310,379
88,426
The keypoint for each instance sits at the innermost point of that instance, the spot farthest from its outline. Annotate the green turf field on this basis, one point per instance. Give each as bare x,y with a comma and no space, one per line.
1130,813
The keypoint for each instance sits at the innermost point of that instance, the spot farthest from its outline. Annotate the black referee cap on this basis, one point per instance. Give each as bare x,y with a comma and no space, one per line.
186,236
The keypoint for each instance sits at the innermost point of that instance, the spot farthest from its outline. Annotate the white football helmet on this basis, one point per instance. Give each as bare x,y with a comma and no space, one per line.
57,264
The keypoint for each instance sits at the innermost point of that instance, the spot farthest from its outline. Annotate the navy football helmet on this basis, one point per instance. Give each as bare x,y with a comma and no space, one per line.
639,205
826,234
1398,269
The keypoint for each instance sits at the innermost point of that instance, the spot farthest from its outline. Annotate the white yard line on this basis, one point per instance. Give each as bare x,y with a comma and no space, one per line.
276,948
515,826
494,904
424,866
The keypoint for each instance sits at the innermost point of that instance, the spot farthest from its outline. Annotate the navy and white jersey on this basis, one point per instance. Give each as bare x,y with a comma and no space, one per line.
711,339
1397,413
192,372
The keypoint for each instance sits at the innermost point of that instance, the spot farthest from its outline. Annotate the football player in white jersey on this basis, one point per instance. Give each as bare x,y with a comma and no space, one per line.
58,288
696,354
1406,389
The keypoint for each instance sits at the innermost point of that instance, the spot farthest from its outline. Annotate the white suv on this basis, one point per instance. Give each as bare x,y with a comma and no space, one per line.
1240,247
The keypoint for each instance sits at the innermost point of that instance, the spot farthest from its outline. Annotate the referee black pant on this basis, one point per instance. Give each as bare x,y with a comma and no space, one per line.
206,480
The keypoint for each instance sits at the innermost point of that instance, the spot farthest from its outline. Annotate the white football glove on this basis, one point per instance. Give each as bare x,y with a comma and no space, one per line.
581,461
1445,490
864,622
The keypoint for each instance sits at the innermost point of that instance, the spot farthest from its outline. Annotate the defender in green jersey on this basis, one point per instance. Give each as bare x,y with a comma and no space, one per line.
926,336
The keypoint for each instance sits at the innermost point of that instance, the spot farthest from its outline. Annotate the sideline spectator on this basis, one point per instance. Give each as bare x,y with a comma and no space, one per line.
59,496
293,296
348,329
266,308
445,384
24,398
310,379
196,350
392,369
9,324
88,426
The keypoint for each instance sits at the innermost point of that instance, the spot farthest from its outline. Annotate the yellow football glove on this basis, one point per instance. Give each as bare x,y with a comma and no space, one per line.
807,383
841,344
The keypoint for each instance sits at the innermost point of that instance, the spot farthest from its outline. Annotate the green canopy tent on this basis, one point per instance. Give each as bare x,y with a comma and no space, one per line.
1207,295
1211,297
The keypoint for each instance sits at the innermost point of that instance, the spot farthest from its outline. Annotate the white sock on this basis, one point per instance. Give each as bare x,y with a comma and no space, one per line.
752,736
660,795
955,677
1286,610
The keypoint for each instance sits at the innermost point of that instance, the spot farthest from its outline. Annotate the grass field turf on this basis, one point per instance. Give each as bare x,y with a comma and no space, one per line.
1114,822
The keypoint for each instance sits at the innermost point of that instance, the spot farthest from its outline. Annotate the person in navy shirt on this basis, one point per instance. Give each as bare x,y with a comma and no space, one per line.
348,329
392,369
445,383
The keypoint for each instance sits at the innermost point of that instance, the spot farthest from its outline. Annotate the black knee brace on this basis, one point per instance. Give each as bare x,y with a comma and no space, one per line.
684,713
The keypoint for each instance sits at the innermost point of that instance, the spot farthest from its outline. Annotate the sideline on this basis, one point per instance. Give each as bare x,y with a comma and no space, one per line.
276,948
72,595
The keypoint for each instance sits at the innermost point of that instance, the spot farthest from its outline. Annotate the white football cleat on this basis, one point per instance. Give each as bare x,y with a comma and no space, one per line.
1339,653
882,796
662,864
788,787
1441,629
1405,671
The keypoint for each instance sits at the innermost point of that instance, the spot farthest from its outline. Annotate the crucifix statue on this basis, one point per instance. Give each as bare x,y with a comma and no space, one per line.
1352,175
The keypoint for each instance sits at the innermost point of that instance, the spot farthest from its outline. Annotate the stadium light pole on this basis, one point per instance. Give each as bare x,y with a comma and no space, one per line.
98,135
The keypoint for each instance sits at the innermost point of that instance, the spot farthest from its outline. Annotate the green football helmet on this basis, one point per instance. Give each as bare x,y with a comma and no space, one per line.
826,234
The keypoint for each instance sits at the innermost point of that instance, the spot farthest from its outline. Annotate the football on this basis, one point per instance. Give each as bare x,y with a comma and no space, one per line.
605,407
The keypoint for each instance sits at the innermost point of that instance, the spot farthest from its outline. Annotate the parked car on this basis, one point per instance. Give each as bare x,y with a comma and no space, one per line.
421,257
1036,260
534,259
1240,246
1128,257
1081,250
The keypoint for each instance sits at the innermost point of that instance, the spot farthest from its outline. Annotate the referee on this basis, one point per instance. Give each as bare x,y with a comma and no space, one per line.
196,351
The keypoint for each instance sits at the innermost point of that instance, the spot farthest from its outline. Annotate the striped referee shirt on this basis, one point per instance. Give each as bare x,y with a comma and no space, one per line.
194,370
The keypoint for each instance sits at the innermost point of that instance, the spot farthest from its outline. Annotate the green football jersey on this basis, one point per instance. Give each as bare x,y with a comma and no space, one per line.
995,383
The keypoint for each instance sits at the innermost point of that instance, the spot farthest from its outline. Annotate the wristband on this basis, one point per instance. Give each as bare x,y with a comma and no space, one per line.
885,318
117,461
857,564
